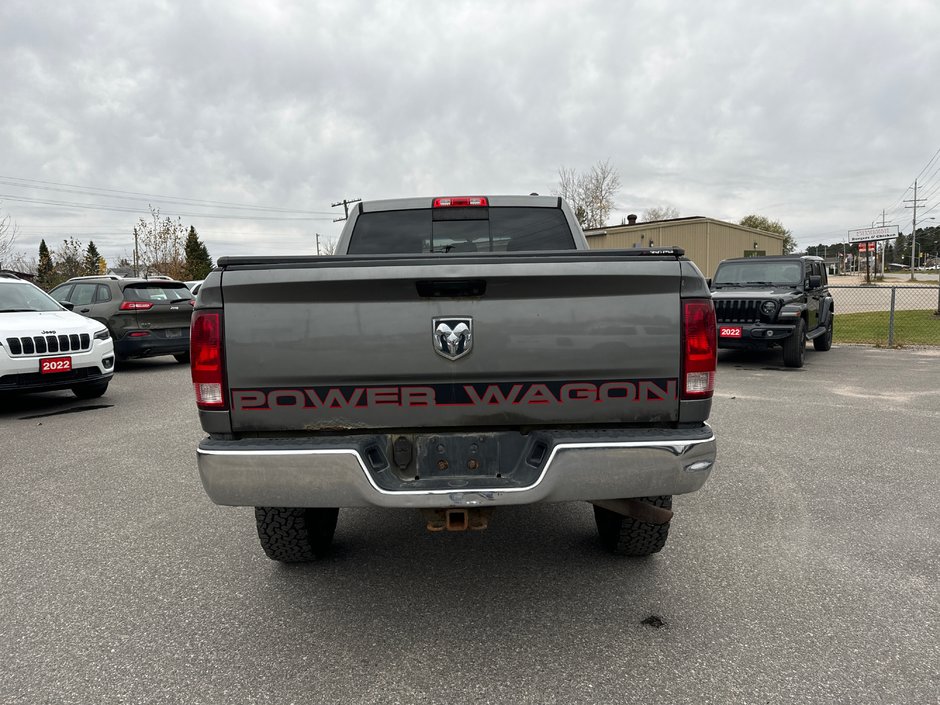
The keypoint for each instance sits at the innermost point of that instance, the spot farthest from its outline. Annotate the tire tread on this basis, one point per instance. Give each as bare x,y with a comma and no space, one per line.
295,534
793,354
626,536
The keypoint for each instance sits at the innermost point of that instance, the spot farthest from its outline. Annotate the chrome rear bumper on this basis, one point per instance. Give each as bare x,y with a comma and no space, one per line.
281,473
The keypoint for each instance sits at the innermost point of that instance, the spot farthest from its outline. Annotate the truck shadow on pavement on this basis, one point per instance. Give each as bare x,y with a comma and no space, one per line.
534,563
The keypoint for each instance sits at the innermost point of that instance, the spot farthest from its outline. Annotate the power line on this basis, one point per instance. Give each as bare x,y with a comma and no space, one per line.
927,166
98,191
119,209
110,229
932,191
899,206
931,209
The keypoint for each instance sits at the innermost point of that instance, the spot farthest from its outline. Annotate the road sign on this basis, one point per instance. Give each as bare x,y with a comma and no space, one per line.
885,232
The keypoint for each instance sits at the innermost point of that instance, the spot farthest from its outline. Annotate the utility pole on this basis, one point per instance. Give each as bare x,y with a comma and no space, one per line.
345,204
136,266
318,244
914,226
884,247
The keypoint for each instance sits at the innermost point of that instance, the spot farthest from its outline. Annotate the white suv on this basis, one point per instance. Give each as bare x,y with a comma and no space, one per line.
44,346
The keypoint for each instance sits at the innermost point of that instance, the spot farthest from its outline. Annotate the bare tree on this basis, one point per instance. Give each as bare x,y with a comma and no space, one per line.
328,247
160,245
660,213
590,195
571,187
7,240
20,262
603,184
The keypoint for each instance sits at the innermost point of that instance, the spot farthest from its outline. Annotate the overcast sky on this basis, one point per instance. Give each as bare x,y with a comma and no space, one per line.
819,114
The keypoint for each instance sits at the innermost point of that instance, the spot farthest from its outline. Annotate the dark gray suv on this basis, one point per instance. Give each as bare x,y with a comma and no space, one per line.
146,317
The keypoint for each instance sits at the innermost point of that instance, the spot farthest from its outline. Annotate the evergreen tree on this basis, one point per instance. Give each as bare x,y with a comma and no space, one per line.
902,249
92,263
198,261
45,271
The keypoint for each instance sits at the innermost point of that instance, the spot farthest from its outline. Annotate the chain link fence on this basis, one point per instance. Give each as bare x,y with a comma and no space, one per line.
887,316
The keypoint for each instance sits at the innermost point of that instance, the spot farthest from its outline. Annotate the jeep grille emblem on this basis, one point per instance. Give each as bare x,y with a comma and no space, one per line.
452,337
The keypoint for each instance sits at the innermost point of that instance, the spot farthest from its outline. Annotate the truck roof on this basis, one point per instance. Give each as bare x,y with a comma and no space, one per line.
530,201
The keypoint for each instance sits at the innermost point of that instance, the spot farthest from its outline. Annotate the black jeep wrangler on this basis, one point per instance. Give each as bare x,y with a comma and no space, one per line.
761,302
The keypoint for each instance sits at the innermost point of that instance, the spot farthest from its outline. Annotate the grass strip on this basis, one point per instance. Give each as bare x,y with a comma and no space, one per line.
910,328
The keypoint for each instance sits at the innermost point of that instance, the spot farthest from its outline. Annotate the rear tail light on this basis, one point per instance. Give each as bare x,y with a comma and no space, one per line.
206,360
699,348
135,305
461,202
138,334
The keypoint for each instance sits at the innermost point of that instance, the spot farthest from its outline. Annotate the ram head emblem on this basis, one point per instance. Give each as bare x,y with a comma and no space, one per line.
452,337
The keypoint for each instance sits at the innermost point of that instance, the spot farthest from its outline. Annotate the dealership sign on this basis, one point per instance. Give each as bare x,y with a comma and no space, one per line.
885,232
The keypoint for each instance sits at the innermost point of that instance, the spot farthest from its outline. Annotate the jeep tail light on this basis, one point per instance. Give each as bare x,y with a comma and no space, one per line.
136,305
206,361
461,202
699,348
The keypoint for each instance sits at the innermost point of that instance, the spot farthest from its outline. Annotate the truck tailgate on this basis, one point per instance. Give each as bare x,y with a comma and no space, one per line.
350,343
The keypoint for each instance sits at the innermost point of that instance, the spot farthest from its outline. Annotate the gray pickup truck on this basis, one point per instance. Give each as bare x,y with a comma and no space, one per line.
459,354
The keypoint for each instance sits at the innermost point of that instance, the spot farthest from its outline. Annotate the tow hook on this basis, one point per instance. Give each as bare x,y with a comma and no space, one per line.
454,519
641,511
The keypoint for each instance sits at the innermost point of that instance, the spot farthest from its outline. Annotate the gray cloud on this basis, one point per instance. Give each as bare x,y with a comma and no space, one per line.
817,114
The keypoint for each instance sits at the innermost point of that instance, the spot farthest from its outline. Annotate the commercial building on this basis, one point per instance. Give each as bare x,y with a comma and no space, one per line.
706,241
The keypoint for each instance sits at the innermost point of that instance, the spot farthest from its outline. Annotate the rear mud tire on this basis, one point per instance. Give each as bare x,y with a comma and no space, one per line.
90,391
182,357
794,347
626,536
295,535
824,342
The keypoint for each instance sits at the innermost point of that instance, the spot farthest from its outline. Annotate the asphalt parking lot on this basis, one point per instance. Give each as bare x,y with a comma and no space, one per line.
806,570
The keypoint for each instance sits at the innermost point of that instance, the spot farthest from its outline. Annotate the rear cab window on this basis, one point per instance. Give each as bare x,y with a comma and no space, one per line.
460,230
157,292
